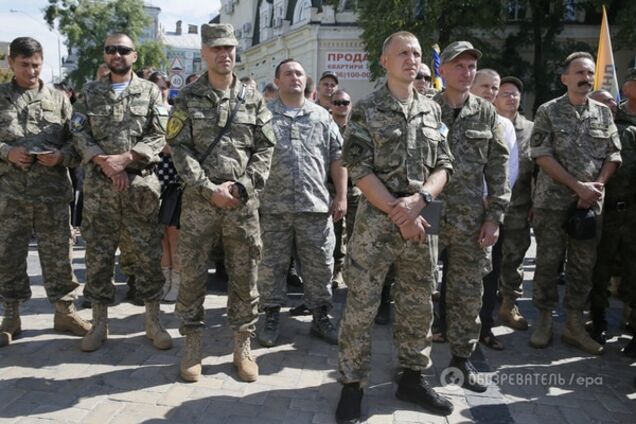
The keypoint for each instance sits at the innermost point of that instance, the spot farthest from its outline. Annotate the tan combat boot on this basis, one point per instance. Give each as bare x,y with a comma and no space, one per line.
243,359
574,334
154,328
66,318
11,325
542,334
99,333
190,368
509,315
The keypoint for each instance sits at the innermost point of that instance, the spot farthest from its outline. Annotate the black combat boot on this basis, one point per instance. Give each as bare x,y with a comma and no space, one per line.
383,316
413,388
349,406
470,375
322,327
268,335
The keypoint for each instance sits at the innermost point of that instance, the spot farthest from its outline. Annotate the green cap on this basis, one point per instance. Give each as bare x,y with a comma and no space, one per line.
630,75
218,35
456,48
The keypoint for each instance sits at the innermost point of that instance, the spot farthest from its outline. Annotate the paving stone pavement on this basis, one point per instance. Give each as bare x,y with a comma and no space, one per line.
44,377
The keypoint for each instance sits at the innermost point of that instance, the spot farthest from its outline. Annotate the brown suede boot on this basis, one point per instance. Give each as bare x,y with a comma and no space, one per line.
94,339
509,315
243,359
11,324
190,368
574,334
154,328
542,334
67,319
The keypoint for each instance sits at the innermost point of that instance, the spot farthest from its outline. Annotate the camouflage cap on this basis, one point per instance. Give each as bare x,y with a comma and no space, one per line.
512,80
630,75
456,48
218,35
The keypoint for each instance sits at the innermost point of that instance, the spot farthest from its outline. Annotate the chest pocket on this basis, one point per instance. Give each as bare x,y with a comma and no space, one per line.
137,121
244,124
599,137
431,138
101,121
50,114
475,148
203,125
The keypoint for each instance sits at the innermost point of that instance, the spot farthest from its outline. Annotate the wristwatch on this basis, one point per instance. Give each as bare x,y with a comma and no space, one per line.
426,196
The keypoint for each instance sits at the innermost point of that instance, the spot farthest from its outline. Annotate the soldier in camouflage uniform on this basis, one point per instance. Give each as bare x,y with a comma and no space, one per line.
516,239
396,153
576,145
221,195
35,190
118,126
619,223
470,225
296,208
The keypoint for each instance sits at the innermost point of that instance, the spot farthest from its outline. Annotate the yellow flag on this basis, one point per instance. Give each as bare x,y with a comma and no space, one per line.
605,77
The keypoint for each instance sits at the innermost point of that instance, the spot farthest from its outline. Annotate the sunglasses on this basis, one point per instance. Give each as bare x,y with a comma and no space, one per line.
424,77
122,50
341,102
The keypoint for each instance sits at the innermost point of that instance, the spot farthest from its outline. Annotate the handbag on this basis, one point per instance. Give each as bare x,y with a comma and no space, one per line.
170,209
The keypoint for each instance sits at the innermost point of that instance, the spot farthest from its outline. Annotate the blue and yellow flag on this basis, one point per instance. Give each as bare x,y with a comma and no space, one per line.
605,77
438,83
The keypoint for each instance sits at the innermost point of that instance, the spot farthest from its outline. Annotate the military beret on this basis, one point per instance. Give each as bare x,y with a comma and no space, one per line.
456,48
218,35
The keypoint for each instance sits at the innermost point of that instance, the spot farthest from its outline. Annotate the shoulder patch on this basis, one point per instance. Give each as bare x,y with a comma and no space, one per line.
536,139
175,123
77,122
358,132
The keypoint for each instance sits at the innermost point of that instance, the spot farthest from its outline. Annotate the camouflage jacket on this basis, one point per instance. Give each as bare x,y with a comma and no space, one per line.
622,186
401,149
581,143
481,154
308,141
105,123
36,120
522,190
244,152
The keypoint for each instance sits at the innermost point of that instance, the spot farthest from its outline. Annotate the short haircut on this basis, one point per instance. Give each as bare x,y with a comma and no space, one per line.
190,78
310,86
403,35
25,46
574,56
594,94
487,71
270,87
120,35
277,70
160,80
247,80
340,91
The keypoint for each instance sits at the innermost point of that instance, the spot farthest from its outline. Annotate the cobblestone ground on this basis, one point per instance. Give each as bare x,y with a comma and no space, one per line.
45,377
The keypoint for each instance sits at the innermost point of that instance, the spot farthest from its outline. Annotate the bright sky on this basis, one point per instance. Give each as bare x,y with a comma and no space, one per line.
27,19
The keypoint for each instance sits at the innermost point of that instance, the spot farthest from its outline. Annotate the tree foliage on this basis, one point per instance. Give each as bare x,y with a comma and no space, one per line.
87,23
5,75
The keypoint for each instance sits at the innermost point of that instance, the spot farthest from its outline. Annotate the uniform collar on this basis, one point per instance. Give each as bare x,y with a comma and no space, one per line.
385,101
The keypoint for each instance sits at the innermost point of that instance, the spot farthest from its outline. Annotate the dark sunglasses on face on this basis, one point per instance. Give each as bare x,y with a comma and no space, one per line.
122,50
341,102
424,77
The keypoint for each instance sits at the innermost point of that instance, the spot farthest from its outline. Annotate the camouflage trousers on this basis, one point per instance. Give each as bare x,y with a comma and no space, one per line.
128,220
312,234
552,244
205,228
342,227
376,245
467,264
514,245
618,241
50,224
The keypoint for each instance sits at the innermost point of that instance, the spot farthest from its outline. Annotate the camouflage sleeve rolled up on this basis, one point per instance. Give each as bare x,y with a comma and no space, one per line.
257,169
184,153
357,152
153,138
496,174
71,157
615,146
335,142
444,154
541,138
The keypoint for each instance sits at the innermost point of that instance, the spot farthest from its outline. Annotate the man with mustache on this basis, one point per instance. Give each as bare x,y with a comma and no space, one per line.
576,145
118,127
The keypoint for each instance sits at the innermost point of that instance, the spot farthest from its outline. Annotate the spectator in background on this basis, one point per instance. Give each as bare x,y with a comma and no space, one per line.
270,92
310,89
191,78
327,84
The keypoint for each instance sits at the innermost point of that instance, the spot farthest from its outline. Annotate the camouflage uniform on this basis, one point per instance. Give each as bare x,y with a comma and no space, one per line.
242,155
516,241
619,222
402,151
133,121
477,143
35,201
295,204
581,141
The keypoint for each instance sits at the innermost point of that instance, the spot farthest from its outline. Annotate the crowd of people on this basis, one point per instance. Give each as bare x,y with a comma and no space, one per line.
366,194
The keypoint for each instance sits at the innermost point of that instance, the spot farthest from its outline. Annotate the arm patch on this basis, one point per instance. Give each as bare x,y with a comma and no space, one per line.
77,122
175,124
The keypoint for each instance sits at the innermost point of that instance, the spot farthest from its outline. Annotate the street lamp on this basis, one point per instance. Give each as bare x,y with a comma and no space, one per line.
57,35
